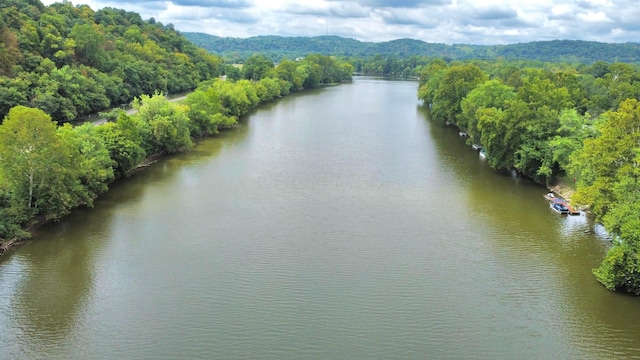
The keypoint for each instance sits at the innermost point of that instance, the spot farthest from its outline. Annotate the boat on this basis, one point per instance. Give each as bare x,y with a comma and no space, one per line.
463,133
476,147
560,205
448,123
483,154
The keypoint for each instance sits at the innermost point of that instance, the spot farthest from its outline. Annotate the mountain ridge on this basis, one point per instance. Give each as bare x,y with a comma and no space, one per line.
278,47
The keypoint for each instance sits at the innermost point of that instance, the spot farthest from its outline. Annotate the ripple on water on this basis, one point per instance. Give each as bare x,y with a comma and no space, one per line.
318,231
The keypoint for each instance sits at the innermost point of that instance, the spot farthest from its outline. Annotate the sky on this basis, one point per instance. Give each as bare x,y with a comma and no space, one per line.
482,22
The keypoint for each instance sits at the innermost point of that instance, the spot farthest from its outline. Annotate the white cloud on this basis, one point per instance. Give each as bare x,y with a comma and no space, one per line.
442,21
599,16
562,10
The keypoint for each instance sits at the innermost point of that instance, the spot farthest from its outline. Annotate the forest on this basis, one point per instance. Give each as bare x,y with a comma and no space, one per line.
277,48
547,123
69,61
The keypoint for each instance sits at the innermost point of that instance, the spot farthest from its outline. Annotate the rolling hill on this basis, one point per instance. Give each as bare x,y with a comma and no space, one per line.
278,47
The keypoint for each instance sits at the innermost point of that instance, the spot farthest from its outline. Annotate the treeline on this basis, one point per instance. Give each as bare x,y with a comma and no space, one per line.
278,48
546,124
46,170
71,61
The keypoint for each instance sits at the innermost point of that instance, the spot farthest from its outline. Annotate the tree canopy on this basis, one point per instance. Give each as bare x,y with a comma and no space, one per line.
71,61
46,170
545,122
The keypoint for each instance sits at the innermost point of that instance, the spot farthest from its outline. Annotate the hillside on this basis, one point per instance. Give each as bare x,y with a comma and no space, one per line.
71,61
291,47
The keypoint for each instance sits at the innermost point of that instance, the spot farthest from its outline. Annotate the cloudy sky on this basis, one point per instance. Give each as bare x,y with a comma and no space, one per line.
442,21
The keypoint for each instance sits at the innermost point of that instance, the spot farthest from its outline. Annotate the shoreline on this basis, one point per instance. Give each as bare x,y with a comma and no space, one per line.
563,190
7,245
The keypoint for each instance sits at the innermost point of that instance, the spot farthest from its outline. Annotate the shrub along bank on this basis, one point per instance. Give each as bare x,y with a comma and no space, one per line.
545,124
46,170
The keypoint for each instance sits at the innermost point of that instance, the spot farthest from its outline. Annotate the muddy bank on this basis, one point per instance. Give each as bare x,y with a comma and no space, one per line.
8,244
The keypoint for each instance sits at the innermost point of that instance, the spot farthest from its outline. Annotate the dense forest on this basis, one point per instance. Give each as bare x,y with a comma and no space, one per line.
277,48
46,169
71,61
546,124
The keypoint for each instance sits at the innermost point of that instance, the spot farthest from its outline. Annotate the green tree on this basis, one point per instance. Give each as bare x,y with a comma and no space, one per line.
233,98
491,94
168,122
91,157
256,67
457,81
123,141
430,79
233,73
38,167
610,185
88,40
573,130
606,157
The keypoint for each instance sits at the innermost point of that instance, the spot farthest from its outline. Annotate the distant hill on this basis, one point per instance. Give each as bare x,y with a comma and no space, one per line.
278,47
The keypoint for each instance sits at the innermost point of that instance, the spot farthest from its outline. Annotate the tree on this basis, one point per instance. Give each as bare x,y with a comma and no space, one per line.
256,67
88,43
36,164
491,94
204,105
457,81
606,157
91,157
430,79
122,140
569,137
610,184
233,73
168,122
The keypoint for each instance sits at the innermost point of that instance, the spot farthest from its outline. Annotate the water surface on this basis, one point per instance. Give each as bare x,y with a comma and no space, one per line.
336,224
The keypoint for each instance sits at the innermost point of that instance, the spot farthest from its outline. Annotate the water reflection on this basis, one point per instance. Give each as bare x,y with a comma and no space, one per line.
549,257
336,225
52,284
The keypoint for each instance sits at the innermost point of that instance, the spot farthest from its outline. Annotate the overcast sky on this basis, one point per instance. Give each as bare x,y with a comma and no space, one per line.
486,22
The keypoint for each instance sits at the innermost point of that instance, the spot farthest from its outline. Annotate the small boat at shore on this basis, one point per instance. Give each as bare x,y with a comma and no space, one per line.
463,133
560,205
482,154
476,147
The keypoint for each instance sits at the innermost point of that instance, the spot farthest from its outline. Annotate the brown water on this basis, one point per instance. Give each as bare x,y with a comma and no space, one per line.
336,224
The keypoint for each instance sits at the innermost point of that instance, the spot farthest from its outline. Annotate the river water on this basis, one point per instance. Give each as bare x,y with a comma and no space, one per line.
336,224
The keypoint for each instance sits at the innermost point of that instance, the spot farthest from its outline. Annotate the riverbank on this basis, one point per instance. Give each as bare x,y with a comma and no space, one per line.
7,245
563,190
17,238
566,192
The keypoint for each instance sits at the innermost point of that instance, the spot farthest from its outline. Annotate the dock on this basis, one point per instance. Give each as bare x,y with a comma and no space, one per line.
552,199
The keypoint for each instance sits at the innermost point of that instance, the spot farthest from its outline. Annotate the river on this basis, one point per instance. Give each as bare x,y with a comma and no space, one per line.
339,223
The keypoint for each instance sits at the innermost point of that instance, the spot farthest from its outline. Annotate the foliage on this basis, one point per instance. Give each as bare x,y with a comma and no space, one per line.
47,170
491,94
40,176
256,67
70,61
540,122
456,82
91,156
277,48
168,123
